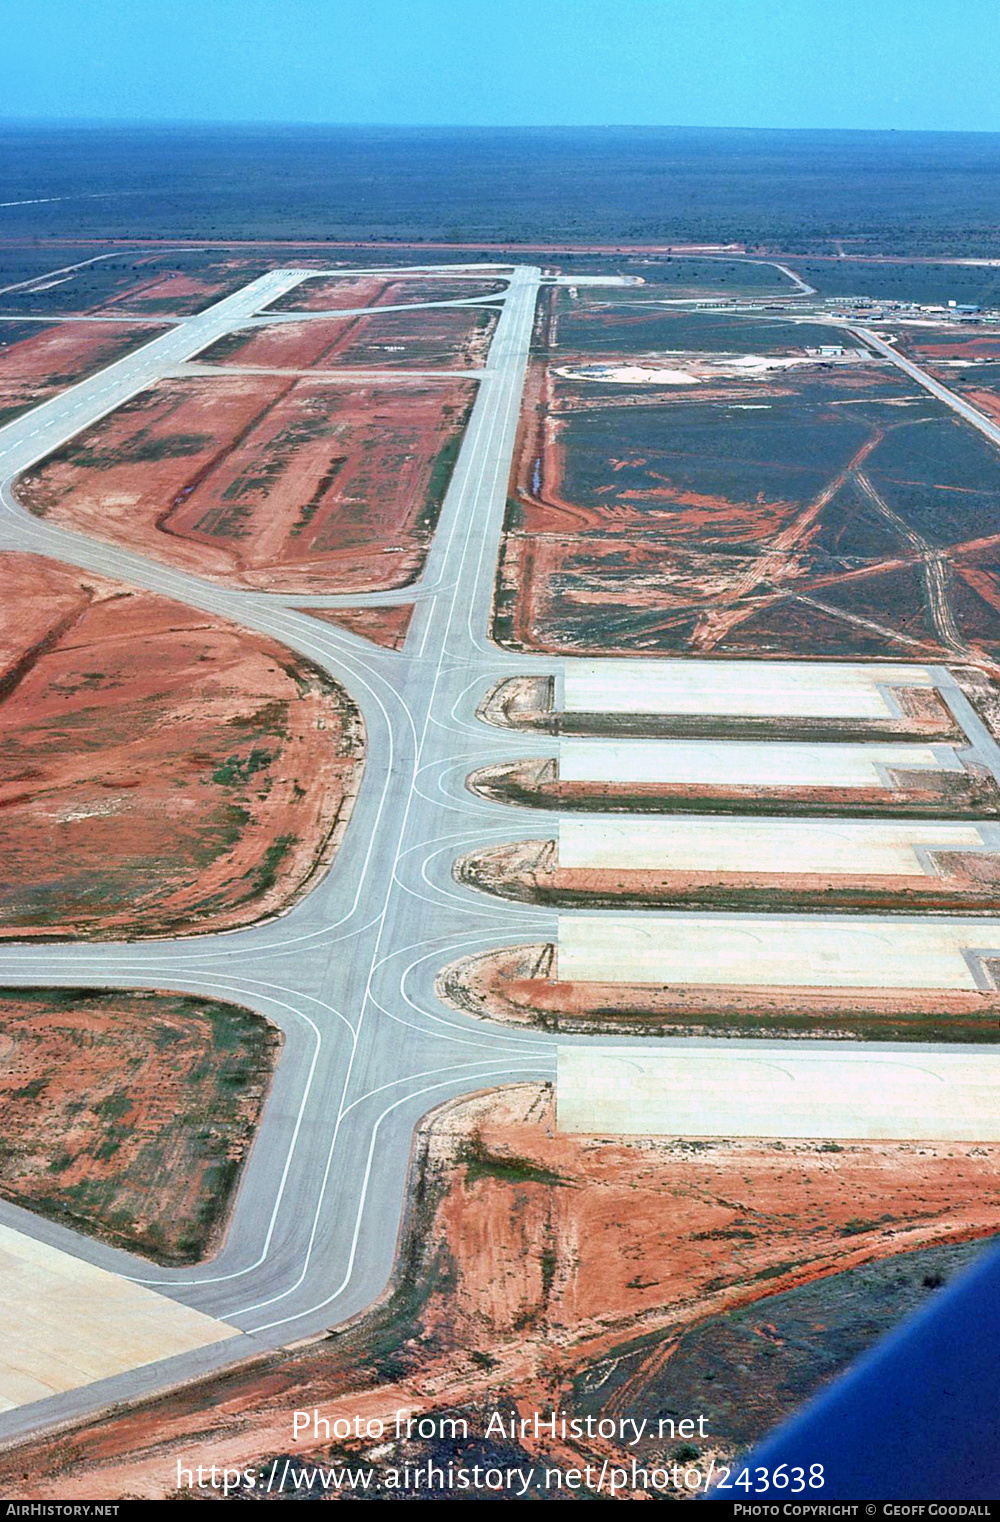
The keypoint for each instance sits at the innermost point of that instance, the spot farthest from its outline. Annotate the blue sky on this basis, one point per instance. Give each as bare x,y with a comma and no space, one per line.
906,64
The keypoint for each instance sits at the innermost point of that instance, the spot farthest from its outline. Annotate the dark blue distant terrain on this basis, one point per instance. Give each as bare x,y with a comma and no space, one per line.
920,193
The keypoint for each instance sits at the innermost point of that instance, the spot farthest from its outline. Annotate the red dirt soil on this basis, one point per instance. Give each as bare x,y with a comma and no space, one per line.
537,1254
262,482
165,772
949,344
449,338
528,703
988,402
529,871
339,292
535,783
34,368
178,293
128,1115
519,985
662,568
383,626
967,378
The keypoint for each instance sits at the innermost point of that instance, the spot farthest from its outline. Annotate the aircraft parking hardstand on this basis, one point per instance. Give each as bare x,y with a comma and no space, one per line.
408,966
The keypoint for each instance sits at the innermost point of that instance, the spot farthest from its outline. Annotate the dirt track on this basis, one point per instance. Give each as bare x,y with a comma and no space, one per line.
631,531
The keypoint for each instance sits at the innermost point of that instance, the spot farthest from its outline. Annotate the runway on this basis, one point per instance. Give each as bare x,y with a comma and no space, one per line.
348,973
316,1221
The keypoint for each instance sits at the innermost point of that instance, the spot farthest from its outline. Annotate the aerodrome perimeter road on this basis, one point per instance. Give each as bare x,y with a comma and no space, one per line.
964,409
348,974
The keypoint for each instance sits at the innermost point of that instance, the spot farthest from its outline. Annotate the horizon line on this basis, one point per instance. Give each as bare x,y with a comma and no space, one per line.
380,126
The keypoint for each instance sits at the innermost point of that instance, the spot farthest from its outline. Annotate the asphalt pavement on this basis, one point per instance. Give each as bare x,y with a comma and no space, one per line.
348,973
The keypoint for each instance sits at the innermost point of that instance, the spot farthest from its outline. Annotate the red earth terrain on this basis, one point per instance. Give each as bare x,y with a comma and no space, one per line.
529,871
386,626
428,338
179,292
520,985
165,772
128,1114
971,793
757,504
529,703
333,293
264,482
38,359
966,360
530,1258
